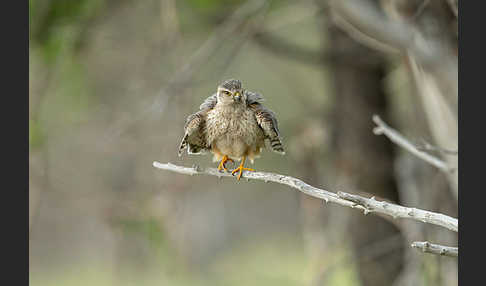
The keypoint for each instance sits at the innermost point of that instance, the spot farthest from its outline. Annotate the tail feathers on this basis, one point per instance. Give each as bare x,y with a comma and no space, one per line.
183,145
277,146
193,149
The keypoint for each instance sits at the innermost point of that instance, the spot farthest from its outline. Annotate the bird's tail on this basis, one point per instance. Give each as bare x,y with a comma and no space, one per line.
276,144
183,145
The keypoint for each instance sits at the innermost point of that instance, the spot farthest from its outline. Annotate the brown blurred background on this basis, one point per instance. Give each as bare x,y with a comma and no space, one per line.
112,82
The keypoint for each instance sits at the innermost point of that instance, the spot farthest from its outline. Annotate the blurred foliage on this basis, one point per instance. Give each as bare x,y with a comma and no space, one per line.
52,20
274,261
56,31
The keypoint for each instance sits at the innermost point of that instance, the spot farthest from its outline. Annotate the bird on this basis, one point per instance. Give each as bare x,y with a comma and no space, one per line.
233,125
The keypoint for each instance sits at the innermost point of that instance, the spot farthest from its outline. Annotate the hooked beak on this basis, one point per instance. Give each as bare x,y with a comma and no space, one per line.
237,96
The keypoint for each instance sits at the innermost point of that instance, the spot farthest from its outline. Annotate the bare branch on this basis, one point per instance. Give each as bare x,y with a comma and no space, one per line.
426,146
396,34
363,38
428,247
401,141
397,211
341,198
369,26
282,47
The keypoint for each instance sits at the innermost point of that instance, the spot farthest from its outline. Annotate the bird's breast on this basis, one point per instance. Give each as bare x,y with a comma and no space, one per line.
232,131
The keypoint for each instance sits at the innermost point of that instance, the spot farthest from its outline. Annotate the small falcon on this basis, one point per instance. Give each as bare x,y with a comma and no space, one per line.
233,125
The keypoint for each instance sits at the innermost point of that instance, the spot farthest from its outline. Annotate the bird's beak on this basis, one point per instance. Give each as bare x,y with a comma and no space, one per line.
237,96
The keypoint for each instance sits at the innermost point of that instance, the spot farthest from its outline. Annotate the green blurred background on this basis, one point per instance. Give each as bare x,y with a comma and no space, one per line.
111,83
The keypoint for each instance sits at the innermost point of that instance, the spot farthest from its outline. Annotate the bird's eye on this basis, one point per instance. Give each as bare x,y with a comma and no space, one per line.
225,92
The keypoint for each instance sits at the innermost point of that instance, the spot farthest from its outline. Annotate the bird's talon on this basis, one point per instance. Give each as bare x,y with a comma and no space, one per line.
222,164
240,169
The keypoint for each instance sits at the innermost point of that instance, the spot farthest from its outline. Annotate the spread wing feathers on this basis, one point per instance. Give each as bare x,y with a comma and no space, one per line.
268,122
193,137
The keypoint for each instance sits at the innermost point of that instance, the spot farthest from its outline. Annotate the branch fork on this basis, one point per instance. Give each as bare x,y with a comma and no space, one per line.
367,205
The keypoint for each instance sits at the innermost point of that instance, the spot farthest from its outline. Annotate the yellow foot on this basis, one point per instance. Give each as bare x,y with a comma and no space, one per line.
223,162
241,169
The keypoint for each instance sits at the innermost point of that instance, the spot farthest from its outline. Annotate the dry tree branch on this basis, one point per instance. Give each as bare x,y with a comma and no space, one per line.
280,46
428,247
362,37
398,35
398,211
401,141
426,146
369,26
344,199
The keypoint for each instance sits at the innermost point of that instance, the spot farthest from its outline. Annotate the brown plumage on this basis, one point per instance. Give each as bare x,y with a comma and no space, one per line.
233,125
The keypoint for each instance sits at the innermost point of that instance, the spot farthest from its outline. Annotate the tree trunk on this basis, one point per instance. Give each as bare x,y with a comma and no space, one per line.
364,160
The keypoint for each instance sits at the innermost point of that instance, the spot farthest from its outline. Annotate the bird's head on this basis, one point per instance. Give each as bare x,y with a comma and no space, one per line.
231,92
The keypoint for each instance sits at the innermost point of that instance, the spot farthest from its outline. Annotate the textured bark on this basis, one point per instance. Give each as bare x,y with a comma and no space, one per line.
367,205
364,159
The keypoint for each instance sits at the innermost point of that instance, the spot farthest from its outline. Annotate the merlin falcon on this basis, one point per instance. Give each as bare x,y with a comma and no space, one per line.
232,124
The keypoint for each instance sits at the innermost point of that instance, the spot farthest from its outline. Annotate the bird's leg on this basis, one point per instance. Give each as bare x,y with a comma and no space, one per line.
241,168
223,162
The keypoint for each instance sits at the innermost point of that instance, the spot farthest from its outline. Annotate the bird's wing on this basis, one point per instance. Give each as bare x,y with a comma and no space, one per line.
194,138
253,97
268,122
209,103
